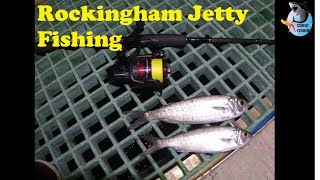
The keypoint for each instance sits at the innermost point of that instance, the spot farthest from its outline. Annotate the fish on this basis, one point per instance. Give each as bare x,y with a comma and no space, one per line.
199,110
299,12
215,139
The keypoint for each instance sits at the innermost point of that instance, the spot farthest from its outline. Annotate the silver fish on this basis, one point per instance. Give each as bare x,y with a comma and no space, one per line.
214,139
206,109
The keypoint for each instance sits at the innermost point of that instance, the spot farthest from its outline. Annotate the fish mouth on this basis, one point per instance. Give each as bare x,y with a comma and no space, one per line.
244,108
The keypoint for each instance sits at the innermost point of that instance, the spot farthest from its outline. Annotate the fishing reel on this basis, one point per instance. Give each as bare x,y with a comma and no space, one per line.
141,72
145,71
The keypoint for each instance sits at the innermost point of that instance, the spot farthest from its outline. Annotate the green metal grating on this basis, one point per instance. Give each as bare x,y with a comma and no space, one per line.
80,126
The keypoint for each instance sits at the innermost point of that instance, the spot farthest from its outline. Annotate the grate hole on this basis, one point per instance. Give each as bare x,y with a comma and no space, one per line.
102,102
41,142
40,100
145,96
128,106
48,77
231,61
125,175
192,66
56,132
56,94
181,53
49,117
205,56
36,125
98,67
177,75
243,74
144,168
99,61
60,104
121,133
44,102
98,172
78,98
71,84
63,148
184,33
219,47
56,56
86,112
160,31
115,161
54,90
229,83
188,89
133,150
95,128
84,71
172,98
214,91
79,138
167,128
94,88
154,106
255,87
72,165
203,79
162,156
105,144
119,91
48,157
112,117
88,155
217,70
62,68
195,45
77,58
64,108
71,122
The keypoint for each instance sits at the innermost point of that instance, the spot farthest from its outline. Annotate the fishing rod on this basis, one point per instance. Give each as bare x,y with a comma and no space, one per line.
150,71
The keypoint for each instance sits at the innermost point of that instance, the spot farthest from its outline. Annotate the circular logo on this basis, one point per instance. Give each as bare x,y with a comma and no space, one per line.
301,29
299,20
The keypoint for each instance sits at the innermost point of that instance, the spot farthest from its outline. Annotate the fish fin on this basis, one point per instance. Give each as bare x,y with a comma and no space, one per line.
219,108
134,114
154,142
139,115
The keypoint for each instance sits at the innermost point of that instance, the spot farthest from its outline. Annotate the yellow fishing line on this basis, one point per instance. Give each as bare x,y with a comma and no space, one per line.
156,69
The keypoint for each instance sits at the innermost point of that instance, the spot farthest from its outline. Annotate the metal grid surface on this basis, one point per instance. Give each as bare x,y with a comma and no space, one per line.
80,126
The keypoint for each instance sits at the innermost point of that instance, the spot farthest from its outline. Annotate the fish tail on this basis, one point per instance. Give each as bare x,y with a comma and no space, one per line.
155,144
139,115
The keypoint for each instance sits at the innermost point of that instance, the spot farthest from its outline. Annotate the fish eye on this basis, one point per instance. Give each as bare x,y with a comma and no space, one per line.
241,102
245,134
